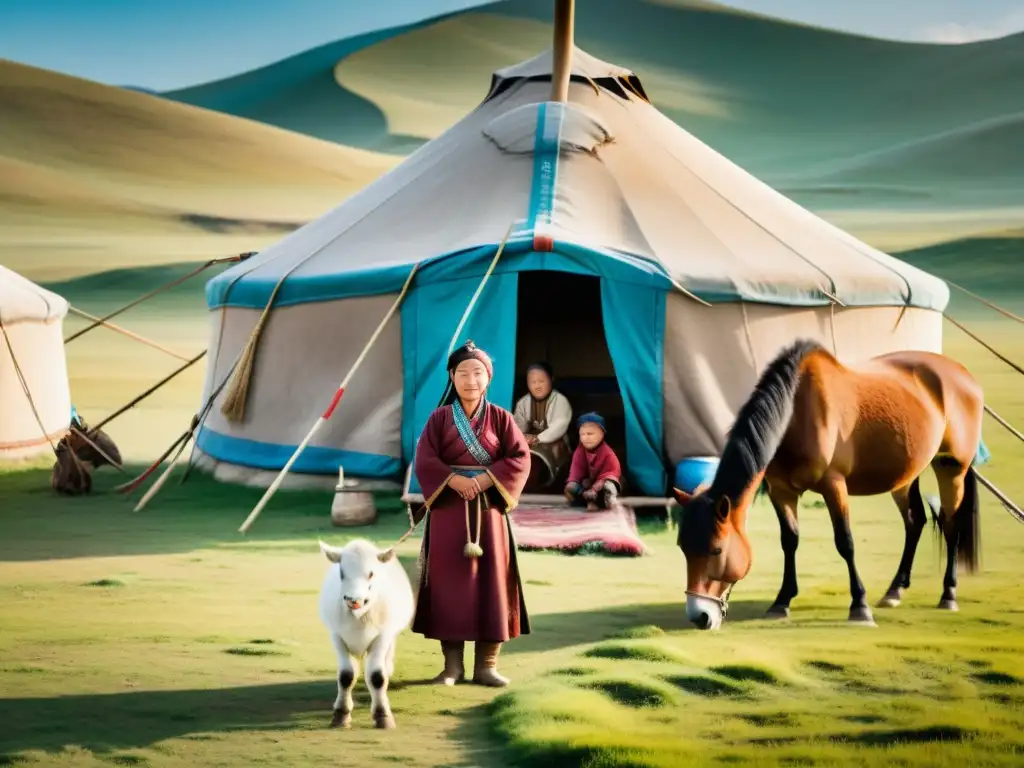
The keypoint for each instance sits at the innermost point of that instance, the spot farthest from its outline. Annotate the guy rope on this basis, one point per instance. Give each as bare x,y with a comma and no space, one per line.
25,388
341,389
188,362
76,462
126,332
182,440
102,320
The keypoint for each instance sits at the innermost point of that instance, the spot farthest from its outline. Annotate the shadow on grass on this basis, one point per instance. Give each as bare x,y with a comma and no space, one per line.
38,524
111,722
105,723
561,630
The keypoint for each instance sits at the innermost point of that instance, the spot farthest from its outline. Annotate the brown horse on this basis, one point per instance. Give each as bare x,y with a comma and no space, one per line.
78,457
813,424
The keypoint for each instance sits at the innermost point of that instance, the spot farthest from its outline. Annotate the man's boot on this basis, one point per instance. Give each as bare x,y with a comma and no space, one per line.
454,668
485,667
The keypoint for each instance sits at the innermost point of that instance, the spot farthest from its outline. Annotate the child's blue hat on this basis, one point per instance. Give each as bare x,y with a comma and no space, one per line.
593,418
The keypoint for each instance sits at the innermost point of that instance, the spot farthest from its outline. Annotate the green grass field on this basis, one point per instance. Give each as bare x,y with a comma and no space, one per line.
166,638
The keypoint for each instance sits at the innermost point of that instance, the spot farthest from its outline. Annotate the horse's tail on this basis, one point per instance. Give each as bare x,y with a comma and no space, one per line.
968,524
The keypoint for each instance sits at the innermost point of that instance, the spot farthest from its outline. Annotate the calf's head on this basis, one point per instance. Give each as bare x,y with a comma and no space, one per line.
358,563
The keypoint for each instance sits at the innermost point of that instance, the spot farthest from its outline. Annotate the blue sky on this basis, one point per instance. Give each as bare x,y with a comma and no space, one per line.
173,43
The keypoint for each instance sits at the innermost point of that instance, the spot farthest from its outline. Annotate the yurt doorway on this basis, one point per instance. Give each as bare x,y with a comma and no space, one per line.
560,322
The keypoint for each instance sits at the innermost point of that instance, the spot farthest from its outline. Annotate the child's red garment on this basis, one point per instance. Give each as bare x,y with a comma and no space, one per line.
596,466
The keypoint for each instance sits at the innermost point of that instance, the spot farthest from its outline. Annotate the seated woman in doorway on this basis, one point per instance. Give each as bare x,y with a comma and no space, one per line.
595,477
544,416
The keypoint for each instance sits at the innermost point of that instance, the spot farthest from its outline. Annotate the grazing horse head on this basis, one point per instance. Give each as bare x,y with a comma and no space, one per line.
712,528
713,539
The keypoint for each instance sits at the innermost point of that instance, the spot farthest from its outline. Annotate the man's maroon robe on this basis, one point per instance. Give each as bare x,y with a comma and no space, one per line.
463,598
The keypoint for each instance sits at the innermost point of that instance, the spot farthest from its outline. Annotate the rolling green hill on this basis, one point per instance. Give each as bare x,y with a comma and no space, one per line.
94,177
841,123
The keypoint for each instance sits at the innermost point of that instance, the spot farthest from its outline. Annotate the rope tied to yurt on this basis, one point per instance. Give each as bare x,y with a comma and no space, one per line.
80,470
986,345
177,281
987,303
480,288
152,389
126,332
338,394
1015,511
1003,422
183,438
25,388
132,484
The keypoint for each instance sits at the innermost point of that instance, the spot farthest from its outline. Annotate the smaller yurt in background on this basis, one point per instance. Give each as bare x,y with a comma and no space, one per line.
32,343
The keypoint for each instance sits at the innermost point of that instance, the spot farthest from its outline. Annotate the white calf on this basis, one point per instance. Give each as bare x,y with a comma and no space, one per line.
365,602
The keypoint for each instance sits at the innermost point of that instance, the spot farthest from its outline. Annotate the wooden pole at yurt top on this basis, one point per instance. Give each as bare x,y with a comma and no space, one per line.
564,43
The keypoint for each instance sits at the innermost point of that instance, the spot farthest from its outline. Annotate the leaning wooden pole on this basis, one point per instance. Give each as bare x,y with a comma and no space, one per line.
339,393
155,488
564,42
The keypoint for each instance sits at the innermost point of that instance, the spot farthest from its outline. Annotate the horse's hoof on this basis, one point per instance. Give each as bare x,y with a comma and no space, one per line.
891,600
777,612
862,616
948,605
341,719
383,720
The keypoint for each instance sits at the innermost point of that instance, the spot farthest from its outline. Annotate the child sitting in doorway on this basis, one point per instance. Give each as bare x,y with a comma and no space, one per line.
595,476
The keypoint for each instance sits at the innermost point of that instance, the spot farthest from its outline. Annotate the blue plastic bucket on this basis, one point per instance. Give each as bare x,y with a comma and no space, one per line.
694,471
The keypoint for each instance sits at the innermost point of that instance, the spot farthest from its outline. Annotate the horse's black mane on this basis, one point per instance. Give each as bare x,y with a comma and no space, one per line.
761,422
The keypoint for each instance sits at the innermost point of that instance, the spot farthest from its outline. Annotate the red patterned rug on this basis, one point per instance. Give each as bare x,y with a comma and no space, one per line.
575,531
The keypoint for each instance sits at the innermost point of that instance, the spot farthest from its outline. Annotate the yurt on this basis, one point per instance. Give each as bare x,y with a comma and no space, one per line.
653,274
32,359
